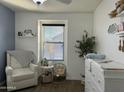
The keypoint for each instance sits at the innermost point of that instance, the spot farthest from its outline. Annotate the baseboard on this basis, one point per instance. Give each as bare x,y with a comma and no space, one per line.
72,78
2,83
82,79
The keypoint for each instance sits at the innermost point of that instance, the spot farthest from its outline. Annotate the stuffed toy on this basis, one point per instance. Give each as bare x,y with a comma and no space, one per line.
119,8
113,13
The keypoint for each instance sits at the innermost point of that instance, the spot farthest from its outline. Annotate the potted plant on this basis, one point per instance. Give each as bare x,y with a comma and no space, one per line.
44,62
86,45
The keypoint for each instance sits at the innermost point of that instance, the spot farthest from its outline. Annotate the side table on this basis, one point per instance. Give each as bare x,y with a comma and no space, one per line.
46,73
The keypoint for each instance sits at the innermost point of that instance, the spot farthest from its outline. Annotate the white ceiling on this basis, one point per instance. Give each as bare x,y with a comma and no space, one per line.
52,6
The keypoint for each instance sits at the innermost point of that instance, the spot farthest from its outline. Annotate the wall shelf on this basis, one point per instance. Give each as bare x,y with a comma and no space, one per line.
121,33
25,34
121,14
23,37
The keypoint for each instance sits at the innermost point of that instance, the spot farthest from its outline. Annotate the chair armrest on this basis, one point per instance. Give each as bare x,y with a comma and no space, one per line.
33,67
9,70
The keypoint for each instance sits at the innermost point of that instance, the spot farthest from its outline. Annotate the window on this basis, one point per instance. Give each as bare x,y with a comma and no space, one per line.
53,42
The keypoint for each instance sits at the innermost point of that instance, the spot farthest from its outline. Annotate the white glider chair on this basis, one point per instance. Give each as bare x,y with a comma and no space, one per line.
20,70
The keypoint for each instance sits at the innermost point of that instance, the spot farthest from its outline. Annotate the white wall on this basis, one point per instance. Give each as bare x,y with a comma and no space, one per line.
106,43
76,24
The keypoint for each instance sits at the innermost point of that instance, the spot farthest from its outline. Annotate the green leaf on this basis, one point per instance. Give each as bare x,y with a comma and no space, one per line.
86,45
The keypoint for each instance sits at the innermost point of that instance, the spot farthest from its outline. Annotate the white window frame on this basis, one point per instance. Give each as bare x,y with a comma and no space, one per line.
40,37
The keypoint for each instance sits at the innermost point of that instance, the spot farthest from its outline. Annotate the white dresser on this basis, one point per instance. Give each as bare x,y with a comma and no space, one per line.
102,76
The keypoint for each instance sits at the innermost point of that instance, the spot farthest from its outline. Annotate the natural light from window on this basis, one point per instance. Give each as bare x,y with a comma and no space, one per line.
53,42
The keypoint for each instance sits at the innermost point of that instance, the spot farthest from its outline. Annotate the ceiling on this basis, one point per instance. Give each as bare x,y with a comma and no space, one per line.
52,6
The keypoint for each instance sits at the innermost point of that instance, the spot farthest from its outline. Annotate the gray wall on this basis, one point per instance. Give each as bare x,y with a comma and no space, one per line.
7,37
77,23
107,43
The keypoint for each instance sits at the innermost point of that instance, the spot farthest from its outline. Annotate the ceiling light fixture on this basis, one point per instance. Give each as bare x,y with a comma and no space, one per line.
39,2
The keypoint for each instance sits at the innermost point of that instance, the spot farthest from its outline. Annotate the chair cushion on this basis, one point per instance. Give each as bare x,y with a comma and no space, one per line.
22,74
14,63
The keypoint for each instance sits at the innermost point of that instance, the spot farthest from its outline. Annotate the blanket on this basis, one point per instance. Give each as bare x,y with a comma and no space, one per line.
23,57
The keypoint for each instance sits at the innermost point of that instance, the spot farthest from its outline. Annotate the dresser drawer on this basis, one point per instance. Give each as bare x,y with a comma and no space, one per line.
87,65
101,77
90,85
90,81
98,75
90,88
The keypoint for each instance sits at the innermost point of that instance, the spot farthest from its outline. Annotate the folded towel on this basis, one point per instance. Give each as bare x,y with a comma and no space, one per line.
95,56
